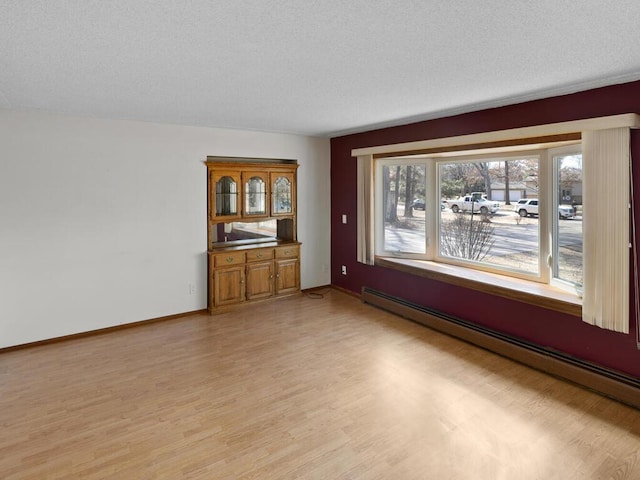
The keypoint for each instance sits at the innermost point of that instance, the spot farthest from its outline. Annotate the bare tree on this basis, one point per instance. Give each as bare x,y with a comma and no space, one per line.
466,237
569,177
408,197
483,170
507,200
396,198
518,170
389,195
462,176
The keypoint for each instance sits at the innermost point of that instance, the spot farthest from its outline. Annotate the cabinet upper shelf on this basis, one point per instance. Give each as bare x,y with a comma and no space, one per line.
251,190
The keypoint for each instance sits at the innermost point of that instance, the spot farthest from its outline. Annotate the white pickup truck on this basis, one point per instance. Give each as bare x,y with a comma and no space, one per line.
474,204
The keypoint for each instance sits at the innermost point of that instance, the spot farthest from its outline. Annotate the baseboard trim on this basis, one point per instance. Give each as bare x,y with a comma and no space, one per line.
100,331
612,384
344,290
315,289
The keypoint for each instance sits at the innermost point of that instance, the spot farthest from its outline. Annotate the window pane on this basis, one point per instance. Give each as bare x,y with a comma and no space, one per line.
484,220
403,192
567,247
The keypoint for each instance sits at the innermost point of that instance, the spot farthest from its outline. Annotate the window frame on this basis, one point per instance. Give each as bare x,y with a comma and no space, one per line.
547,231
554,252
542,275
379,229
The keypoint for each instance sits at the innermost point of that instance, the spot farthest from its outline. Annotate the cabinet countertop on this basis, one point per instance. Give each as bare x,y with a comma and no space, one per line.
250,246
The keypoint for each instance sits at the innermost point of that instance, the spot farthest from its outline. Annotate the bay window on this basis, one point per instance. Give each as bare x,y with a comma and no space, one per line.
537,214
464,210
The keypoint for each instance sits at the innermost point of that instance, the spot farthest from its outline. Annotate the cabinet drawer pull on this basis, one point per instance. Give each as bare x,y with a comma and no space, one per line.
287,252
229,259
259,255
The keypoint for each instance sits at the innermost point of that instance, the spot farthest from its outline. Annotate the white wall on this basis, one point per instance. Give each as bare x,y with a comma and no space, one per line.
103,222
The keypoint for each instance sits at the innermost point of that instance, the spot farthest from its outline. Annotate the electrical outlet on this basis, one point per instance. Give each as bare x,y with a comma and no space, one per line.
344,269
192,289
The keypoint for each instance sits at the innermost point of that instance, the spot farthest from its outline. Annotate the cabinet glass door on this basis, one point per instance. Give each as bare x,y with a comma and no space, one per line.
282,201
255,189
226,197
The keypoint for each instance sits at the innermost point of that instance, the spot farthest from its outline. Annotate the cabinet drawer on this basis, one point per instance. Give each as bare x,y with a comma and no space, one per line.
229,258
288,252
260,255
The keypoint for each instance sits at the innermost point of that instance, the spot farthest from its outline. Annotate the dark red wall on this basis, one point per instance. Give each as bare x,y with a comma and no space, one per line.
544,327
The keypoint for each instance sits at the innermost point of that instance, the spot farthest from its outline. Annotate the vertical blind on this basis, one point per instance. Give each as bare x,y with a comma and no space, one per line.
606,202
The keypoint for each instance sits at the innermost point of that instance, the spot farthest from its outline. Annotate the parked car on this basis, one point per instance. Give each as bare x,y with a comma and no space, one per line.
526,207
529,207
418,205
566,211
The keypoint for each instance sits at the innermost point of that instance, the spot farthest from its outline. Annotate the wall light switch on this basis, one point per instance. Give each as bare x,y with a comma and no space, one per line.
344,218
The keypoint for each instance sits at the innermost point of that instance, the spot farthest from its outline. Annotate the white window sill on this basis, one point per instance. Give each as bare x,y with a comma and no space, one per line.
534,293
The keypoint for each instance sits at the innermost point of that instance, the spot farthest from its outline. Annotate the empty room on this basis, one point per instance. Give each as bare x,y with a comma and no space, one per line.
319,240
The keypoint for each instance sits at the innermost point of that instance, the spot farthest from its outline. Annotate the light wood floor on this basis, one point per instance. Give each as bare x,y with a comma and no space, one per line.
299,388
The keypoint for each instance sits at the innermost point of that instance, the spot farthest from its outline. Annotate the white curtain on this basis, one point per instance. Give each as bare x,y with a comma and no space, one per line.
606,202
365,243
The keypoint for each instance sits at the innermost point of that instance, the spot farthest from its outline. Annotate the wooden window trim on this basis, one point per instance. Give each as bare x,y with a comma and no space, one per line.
461,150
504,137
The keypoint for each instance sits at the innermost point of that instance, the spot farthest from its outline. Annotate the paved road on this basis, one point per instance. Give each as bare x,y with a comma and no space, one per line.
511,236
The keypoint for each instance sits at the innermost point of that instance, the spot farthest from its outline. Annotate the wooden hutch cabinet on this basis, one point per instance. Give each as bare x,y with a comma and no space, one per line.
252,230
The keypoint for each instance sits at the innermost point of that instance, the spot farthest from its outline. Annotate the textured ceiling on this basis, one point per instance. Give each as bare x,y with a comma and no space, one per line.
322,67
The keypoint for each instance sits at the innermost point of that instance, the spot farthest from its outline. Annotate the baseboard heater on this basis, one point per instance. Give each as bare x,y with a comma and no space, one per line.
623,388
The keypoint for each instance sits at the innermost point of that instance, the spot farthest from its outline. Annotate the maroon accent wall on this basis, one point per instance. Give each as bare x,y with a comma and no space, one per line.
543,327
